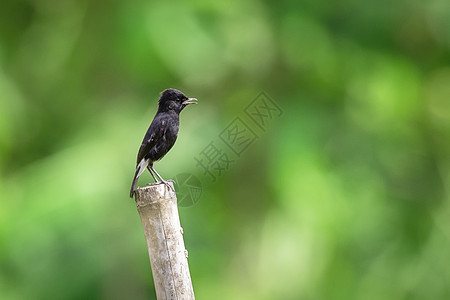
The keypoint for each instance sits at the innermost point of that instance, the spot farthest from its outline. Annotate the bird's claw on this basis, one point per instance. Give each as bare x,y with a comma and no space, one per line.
166,182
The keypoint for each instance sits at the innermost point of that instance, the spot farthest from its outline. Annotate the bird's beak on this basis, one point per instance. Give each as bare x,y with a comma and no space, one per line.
190,101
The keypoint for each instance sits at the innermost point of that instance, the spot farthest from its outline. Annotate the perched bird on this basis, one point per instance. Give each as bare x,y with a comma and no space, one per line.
162,134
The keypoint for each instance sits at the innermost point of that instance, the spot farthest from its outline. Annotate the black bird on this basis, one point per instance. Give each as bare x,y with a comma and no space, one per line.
162,133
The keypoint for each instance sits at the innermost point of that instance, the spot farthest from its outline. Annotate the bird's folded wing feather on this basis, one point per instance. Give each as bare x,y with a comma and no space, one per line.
154,133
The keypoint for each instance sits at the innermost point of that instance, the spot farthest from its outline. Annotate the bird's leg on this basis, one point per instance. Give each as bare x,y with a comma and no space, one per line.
157,174
150,170
162,180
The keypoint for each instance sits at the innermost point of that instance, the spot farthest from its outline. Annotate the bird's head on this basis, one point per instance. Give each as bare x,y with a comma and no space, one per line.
172,99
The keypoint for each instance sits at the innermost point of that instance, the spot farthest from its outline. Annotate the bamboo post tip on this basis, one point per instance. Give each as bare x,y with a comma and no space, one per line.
154,192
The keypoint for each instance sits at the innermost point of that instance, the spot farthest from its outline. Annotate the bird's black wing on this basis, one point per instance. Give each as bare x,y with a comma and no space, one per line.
154,133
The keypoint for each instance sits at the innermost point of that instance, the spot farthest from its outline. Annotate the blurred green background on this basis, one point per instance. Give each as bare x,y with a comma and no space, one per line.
344,196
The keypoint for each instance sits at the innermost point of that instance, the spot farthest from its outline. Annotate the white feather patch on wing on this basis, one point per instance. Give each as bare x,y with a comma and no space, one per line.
142,165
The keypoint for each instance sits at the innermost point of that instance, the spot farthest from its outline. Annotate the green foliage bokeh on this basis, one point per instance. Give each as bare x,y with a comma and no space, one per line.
343,196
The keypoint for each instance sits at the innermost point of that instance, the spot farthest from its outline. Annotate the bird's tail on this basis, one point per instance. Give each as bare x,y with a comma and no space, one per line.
139,170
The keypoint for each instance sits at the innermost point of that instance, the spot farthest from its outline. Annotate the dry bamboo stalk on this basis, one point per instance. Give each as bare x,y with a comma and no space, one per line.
157,207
